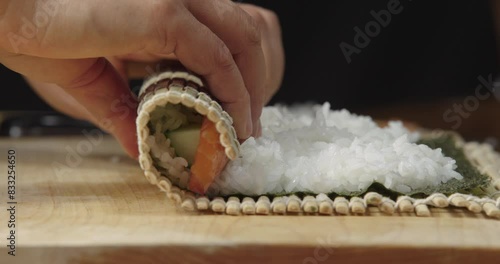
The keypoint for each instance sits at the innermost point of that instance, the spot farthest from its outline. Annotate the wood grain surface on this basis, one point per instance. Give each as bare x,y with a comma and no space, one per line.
84,201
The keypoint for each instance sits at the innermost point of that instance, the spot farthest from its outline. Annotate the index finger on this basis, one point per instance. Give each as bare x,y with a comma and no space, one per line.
242,35
203,52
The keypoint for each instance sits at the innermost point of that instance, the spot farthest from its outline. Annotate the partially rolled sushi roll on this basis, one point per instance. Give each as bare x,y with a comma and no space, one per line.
186,140
184,135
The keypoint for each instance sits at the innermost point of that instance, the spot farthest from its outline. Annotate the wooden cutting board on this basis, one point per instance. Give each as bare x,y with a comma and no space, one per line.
80,201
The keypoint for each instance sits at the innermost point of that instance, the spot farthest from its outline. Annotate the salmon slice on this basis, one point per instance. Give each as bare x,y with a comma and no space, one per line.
209,160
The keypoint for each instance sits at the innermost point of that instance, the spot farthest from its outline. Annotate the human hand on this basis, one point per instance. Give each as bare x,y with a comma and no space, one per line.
66,56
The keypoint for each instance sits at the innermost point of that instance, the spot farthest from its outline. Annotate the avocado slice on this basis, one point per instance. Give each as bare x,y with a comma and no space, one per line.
185,141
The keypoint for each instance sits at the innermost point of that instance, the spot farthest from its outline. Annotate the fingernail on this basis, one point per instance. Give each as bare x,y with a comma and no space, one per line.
256,129
249,127
259,129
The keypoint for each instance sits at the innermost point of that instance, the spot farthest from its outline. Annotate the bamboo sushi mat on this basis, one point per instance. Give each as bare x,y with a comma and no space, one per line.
484,157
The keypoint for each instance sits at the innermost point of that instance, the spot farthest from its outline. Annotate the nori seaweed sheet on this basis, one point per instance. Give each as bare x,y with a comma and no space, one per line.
473,180
472,183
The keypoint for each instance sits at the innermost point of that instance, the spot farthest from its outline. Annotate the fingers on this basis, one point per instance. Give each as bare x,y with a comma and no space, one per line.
56,97
200,50
95,85
74,29
143,56
230,58
243,38
272,47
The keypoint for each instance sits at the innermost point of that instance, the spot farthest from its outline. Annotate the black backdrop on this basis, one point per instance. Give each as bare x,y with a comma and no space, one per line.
431,49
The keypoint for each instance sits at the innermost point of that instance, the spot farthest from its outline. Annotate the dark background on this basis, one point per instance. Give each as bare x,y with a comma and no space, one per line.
431,50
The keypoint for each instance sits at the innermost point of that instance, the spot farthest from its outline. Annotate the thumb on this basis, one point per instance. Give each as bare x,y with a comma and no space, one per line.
93,83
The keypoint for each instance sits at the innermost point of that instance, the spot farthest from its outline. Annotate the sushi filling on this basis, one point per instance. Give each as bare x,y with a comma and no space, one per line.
185,146
174,139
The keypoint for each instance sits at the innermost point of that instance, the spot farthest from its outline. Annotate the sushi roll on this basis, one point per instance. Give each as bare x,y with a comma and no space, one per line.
186,141
183,134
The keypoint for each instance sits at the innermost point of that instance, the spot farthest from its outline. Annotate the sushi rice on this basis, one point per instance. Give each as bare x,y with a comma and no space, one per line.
312,148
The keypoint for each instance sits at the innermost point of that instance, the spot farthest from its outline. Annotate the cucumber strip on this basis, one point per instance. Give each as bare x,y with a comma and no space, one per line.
185,141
